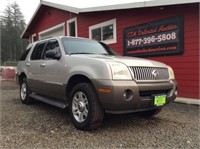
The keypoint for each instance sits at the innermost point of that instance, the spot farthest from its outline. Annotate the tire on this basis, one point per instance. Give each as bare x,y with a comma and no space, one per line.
85,109
150,113
25,92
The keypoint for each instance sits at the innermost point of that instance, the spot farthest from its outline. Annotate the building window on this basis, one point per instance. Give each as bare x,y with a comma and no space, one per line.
105,32
72,27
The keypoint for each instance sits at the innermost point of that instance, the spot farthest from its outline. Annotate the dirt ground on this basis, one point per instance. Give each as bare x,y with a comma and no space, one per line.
43,126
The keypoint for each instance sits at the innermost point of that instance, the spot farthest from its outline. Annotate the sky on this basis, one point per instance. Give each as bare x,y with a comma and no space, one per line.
28,7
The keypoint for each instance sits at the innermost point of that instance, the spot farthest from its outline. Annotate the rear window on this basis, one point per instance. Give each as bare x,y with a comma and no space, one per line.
24,55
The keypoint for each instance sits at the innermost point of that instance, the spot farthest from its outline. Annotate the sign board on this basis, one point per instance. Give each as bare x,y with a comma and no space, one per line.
157,38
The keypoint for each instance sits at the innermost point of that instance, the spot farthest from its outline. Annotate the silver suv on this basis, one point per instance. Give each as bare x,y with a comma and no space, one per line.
90,79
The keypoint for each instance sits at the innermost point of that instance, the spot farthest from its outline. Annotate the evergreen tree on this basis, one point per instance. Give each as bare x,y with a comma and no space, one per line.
12,25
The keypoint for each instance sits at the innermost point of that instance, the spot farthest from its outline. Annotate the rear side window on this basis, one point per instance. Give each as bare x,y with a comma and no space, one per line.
37,52
24,55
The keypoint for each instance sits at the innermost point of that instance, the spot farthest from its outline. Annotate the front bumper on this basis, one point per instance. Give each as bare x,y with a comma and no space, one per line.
114,101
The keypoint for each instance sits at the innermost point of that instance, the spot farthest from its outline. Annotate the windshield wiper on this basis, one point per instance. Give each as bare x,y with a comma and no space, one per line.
88,53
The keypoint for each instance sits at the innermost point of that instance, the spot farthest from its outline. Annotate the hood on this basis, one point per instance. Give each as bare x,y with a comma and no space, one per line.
129,61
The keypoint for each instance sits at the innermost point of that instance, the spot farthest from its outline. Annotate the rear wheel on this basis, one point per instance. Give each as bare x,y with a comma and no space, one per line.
84,107
149,113
25,92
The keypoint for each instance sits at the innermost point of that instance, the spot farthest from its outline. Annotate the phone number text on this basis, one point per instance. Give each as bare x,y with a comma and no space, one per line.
152,39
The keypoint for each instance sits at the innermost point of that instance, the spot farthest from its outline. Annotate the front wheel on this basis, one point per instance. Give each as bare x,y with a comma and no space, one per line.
25,92
84,107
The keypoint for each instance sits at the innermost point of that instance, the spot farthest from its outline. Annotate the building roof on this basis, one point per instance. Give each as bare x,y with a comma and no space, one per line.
141,4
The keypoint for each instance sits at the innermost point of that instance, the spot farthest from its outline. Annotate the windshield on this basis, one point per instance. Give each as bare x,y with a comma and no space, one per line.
83,46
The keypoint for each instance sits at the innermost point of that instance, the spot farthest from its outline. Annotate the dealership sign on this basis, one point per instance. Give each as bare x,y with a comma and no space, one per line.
158,38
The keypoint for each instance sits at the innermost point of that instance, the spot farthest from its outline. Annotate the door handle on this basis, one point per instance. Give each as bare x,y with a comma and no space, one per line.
42,65
27,64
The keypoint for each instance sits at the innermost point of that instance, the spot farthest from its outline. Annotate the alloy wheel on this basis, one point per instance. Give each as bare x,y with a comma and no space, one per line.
80,106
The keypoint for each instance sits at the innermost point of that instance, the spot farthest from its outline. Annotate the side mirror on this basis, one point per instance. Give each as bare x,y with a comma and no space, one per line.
53,54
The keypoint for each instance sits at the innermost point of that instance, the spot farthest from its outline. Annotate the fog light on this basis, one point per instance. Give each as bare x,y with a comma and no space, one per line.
127,95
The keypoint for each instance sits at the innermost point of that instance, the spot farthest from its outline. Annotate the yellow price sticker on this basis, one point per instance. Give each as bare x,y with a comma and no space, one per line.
159,100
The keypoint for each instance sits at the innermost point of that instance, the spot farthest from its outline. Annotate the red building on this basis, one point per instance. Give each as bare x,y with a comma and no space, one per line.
158,30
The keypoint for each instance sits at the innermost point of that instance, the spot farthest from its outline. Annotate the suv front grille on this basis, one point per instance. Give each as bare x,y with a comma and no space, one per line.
149,74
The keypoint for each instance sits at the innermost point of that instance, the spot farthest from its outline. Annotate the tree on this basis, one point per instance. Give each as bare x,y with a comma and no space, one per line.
12,25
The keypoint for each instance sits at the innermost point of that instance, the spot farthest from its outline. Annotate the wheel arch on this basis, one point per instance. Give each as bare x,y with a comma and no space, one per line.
74,80
21,77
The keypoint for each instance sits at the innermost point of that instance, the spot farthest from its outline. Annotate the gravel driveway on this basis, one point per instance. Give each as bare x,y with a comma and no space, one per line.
43,126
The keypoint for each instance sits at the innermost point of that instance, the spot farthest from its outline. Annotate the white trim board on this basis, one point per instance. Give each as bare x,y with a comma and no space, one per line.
69,21
142,4
187,100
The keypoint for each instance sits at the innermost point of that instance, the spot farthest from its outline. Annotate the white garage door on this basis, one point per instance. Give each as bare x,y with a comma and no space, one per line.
52,32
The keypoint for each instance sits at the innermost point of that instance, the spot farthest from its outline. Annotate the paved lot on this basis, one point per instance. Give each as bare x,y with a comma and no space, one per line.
43,126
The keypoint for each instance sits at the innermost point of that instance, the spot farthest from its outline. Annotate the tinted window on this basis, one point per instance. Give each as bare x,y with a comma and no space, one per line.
51,45
37,52
24,55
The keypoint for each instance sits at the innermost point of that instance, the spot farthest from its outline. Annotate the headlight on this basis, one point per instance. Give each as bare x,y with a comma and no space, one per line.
120,71
171,73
